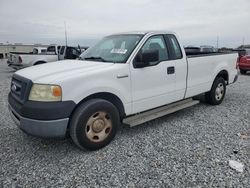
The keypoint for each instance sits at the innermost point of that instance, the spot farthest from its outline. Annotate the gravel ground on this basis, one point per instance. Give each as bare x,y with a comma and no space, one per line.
190,148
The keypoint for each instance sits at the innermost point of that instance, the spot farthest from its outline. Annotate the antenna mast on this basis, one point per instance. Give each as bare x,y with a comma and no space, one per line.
66,38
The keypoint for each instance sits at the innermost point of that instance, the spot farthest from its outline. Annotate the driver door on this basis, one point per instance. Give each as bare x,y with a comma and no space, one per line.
153,85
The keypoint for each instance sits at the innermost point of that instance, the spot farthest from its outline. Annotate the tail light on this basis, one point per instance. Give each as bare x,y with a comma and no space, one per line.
20,59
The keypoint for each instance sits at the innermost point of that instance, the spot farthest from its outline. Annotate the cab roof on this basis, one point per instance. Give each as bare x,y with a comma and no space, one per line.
145,32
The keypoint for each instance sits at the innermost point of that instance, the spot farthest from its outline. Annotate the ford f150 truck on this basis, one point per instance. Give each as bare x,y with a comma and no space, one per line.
126,78
53,53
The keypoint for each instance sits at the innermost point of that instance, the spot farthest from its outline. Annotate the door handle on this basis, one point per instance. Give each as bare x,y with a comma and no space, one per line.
170,70
122,76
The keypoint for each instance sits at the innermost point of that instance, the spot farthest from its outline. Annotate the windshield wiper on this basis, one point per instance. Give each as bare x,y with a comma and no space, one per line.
95,58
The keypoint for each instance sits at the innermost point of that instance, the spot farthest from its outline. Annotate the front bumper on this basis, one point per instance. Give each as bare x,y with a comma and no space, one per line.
244,66
15,66
40,118
40,128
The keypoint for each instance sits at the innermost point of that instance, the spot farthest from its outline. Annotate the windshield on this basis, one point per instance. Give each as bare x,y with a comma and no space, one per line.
115,48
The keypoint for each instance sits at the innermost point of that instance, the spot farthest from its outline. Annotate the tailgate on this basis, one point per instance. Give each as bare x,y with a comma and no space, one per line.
13,58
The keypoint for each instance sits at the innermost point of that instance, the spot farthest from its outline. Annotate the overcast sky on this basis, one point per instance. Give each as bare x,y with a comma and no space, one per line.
197,22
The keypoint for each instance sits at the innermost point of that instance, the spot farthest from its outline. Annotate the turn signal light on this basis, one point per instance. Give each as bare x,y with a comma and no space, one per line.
56,90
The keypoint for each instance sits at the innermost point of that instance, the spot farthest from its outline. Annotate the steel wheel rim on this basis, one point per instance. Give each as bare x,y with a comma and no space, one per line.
219,92
98,127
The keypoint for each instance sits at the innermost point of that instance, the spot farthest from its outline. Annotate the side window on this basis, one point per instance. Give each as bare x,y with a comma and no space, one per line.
71,53
35,51
62,50
74,52
51,50
156,43
58,48
175,47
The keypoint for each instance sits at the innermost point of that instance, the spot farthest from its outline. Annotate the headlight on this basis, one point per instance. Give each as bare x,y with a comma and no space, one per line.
47,93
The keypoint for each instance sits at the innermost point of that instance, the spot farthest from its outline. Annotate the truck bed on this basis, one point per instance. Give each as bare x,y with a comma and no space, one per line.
200,54
203,68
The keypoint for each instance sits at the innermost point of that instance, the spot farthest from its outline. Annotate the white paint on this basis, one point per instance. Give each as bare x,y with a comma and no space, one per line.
144,88
203,70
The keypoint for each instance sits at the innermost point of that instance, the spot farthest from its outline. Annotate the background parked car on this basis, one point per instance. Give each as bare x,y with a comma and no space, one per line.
53,53
244,62
12,56
68,52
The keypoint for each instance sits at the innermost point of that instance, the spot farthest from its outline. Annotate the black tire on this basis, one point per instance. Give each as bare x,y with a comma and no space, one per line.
80,132
212,97
243,71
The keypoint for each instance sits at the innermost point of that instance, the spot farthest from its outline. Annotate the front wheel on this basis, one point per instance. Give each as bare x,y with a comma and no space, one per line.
217,93
94,124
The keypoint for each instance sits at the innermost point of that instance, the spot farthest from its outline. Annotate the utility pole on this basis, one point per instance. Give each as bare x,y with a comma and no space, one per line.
66,38
8,49
243,41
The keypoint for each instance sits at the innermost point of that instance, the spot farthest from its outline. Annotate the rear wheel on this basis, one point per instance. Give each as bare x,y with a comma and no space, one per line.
217,93
242,71
94,124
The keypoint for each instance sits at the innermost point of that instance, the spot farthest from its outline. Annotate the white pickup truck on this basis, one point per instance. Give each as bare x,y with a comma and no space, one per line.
53,53
130,77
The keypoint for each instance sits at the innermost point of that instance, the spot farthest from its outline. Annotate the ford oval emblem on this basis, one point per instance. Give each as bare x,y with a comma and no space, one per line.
13,87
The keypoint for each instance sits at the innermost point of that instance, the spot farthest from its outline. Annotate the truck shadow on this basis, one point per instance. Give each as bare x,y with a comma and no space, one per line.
66,146
246,74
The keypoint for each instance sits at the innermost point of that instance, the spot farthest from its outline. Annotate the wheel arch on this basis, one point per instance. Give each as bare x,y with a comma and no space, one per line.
39,62
224,74
115,100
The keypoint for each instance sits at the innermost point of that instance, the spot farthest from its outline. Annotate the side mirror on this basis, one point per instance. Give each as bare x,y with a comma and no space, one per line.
143,59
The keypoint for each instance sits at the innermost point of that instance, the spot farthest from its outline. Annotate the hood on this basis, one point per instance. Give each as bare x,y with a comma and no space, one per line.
49,72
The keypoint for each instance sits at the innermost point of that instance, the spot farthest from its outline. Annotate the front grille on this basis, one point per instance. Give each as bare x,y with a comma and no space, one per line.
20,88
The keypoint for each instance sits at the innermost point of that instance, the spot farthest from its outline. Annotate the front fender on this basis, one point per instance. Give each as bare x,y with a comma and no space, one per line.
84,94
79,89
